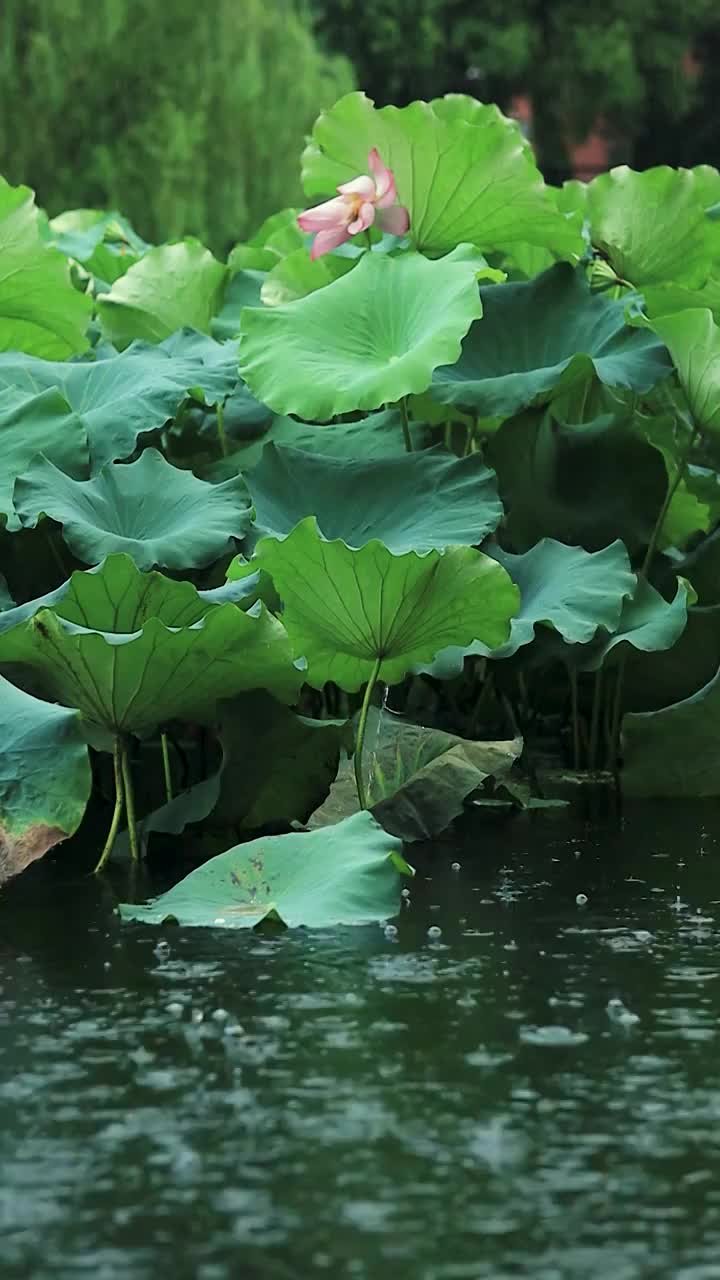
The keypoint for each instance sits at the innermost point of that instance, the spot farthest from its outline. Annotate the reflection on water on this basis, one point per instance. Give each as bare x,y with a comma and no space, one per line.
534,1091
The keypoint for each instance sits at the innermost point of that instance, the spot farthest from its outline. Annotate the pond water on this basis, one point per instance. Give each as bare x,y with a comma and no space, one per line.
534,1093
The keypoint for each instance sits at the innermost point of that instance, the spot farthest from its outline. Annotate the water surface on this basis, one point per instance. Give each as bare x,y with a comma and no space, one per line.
535,1093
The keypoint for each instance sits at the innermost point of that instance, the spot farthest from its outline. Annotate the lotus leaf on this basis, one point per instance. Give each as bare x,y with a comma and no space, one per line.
154,512
347,874
368,339
45,777
357,615
37,423
172,286
412,502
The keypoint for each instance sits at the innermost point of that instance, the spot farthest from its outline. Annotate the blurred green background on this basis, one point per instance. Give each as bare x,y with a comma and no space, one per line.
190,117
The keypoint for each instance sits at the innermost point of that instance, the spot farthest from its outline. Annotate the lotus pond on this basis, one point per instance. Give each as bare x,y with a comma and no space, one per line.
534,1093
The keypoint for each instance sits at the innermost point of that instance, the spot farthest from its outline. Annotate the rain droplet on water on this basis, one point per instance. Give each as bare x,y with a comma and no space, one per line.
581,899
434,932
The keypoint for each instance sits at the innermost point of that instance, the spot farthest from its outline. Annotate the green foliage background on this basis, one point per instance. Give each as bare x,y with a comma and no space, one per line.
621,60
162,109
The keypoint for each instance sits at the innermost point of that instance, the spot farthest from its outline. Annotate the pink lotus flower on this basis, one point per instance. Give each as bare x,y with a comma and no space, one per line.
355,209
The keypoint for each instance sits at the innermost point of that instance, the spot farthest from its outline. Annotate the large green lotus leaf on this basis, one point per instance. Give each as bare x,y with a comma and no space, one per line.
156,513
411,502
462,169
344,609
666,299
652,226
419,778
297,275
658,679
587,484
568,589
366,340
172,287
539,337
276,767
33,423
648,623
133,651
674,751
104,243
40,310
45,777
119,397
693,339
347,874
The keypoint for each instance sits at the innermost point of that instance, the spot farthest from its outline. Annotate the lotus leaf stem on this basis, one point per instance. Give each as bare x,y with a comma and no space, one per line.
402,405
362,726
129,802
595,719
572,676
167,771
222,437
117,811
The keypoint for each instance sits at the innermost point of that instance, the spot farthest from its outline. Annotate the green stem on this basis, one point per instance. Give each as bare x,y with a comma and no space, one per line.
167,772
362,726
117,811
222,437
651,549
572,676
129,802
402,405
368,238
595,720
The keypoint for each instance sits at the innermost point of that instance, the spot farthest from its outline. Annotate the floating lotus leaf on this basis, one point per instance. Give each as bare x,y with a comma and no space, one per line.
652,226
348,610
45,777
118,397
568,589
366,340
540,337
33,423
347,874
171,287
40,310
133,650
411,502
463,170
155,513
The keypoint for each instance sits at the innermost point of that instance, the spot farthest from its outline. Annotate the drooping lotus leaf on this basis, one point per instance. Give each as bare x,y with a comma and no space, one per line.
45,777
648,623
411,502
463,170
297,275
155,513
173,286
133,650
568,589
276,767
419,777
347,874
674,751
586,483
40,310
118,397
104,243
693,339
652,226
366,340
33,423
539,337
344,609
